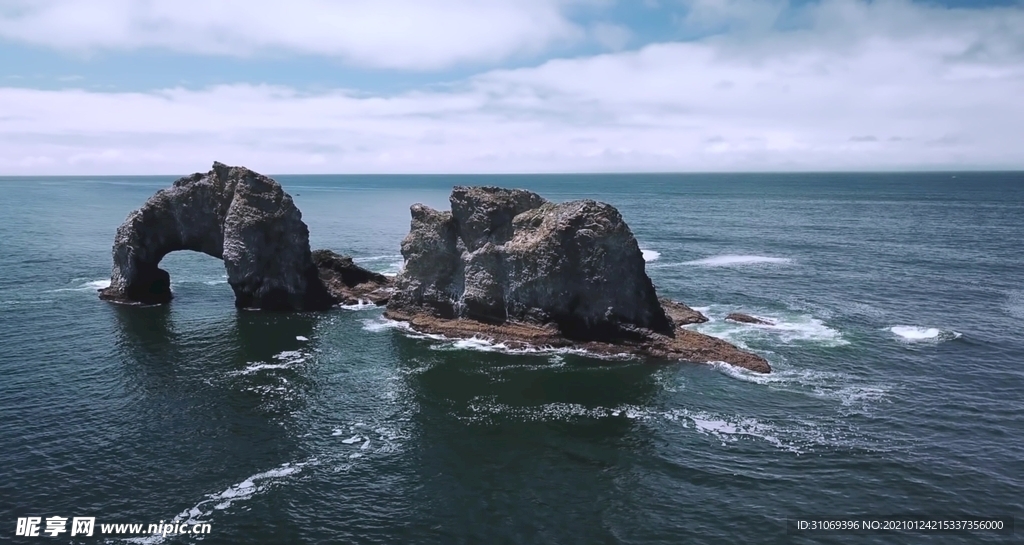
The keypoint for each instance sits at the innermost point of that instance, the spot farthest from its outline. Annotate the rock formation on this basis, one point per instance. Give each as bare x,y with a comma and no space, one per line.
747,319
681,314
233,214
349,283
509,265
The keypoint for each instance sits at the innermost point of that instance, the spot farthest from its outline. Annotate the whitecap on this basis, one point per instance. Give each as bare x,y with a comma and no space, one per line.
93,285
352,440
290,356
786,327
244,490
301,338
734,260
256,367
362,304
915,334
650,255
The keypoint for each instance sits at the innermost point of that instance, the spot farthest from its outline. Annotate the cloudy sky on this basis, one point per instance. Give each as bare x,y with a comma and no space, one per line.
460,86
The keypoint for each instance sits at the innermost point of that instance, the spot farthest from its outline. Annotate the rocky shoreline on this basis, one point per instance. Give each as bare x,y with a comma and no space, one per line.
511,267
684,345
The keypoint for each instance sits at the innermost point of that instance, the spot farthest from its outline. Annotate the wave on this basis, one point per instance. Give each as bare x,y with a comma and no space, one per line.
793,437
821,384
787,327
735,260
255,484
394,266
285,360
363,304
650,255
916,334
92,285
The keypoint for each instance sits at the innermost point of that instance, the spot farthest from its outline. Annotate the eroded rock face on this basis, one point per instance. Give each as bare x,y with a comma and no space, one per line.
509,255
233,214
349,283
509,266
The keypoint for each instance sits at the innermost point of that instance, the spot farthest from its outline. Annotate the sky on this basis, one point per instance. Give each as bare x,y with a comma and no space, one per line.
518,86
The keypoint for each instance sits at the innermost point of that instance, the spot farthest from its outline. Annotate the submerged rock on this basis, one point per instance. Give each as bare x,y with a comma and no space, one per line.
747,319
231,213
512,266
349,283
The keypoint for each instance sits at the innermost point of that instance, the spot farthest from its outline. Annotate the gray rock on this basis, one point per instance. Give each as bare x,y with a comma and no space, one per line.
233,214
349,283
509,255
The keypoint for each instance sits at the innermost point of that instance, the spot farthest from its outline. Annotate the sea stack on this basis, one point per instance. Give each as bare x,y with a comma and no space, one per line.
509,265
234,214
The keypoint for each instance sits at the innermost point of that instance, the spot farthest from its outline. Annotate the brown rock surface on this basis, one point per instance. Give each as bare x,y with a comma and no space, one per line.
681,314
747,319
686,345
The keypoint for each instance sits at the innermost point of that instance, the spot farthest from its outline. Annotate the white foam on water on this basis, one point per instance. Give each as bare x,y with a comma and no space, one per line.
290,356
93,285
795,438
301,338
395,263
351,440
285,359
786,327
363,304
257,367
917,334
255,484
371,259
650,255
841,387
486,345
737,260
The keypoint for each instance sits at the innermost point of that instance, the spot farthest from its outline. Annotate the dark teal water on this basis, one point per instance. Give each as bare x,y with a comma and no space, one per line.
899,383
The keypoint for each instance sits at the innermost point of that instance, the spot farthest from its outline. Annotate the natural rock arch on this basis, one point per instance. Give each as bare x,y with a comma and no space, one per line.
231,213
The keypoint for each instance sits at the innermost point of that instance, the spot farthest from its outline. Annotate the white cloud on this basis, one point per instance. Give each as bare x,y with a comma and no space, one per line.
404,34
885,85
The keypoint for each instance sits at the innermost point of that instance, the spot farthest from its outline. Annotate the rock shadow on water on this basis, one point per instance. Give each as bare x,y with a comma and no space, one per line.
487,422
192,409
169,350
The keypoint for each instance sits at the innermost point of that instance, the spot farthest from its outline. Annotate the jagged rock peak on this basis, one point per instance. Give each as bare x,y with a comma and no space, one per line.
510,255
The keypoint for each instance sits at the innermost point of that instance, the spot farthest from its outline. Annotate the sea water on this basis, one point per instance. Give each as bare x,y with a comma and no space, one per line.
898,387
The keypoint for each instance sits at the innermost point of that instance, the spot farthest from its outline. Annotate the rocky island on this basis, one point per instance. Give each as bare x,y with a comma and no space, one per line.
247,220
510,266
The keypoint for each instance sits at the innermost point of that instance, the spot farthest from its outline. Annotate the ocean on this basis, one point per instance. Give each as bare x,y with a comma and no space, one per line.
898,384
